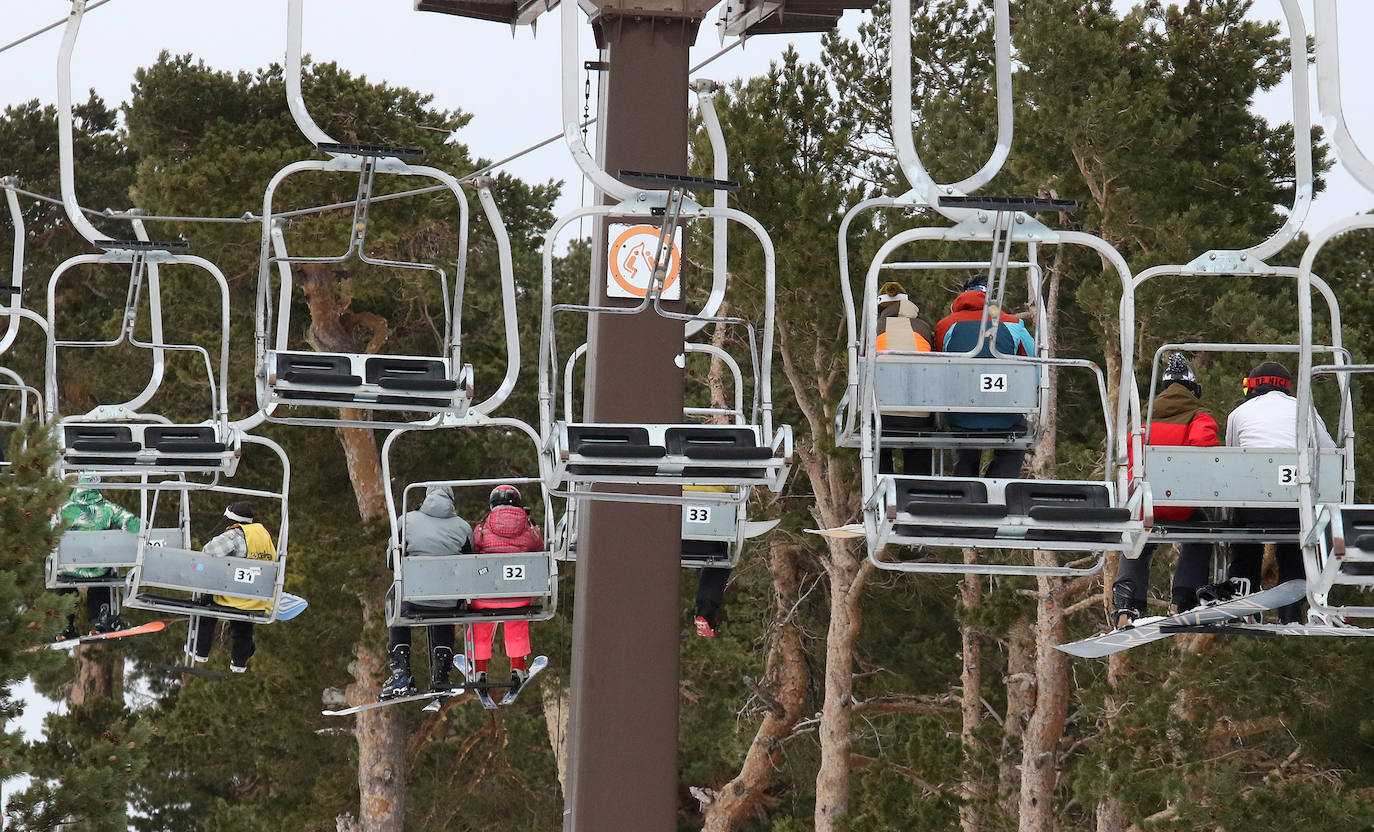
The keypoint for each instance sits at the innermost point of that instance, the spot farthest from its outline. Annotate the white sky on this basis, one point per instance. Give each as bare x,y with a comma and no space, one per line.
459,60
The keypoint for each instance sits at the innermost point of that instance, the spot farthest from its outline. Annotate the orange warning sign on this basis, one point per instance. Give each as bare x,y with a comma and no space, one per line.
630,262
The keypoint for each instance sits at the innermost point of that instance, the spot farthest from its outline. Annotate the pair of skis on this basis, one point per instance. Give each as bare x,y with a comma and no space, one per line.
435,699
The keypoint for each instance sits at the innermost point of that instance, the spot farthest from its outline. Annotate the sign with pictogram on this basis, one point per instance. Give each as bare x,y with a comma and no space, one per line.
630,261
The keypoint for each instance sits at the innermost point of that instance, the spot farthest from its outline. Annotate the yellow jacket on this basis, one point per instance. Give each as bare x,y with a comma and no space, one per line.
260,547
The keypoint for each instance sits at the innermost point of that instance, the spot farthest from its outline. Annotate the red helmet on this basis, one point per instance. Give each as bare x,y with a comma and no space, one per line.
506,495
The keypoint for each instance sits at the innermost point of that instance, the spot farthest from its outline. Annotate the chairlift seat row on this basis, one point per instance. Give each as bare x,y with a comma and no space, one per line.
670,454
377,382
186,570
106,446
439,589
956,512
99,550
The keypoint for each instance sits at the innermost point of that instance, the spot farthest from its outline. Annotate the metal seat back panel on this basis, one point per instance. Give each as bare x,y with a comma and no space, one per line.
1247,477
918,384
465,577
192,571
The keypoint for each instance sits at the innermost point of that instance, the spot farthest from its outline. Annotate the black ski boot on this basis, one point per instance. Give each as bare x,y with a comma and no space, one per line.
1224,591
69,632
400,683
440,664
1127,607
107,622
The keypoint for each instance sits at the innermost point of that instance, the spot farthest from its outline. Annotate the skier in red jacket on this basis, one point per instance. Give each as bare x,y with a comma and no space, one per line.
1178,419
507,528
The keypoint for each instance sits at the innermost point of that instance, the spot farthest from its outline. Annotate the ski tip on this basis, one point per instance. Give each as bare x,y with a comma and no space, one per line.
840,532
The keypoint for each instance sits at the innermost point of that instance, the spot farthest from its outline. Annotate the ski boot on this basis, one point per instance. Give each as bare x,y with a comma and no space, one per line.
69,632
517,680
107,622
1226,590
1124,618
400,683
237,667
440,663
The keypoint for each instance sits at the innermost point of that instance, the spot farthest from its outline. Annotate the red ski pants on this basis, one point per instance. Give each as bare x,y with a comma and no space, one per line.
517,639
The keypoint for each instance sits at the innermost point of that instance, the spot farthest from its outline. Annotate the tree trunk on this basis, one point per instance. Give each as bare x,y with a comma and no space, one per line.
971,702
847,576
554,696
1110,816
787,681
1020,685
381,742
1045,449
379,732
98,672
1040,744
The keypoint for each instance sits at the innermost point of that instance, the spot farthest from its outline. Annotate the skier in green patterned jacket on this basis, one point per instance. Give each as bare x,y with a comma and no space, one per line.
88,510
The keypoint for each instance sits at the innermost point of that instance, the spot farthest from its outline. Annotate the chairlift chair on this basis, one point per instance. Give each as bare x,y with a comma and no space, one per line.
121,438
394,390
1337,544
439,589
582,454
163,567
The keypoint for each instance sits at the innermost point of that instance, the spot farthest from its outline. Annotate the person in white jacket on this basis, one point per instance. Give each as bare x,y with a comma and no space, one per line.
1268,418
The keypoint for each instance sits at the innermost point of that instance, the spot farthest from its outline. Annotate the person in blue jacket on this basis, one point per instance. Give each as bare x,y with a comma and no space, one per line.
958,332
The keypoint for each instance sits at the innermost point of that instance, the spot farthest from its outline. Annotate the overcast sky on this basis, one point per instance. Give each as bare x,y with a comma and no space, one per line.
510,83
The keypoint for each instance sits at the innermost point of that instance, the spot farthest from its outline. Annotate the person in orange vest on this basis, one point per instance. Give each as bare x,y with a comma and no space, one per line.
237,536
901,328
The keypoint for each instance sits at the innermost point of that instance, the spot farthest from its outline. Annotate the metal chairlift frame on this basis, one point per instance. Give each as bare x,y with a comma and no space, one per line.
273,329
128,441
1241,468
1327,542
663,208
13,311
885,519
530,570
183,569
1002,224
924,190
702,520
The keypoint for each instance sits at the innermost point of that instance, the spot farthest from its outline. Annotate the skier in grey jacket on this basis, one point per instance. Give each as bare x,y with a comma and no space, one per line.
433,529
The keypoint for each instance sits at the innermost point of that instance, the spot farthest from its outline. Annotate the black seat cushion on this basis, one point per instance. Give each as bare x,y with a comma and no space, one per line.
706,550
1023,496
425,374
703,442
617,442
317,368
197,439
100,438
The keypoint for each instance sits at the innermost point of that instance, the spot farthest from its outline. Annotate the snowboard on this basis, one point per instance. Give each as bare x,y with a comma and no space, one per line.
290,606
71,643
437,696
1148,630
1240,629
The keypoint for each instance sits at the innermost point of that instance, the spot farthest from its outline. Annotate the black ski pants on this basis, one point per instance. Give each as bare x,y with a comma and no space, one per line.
241,645
711,594
1247,559
1005,464
440,635
1132,586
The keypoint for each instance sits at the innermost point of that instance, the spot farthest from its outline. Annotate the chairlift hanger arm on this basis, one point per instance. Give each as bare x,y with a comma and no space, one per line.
1329,94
